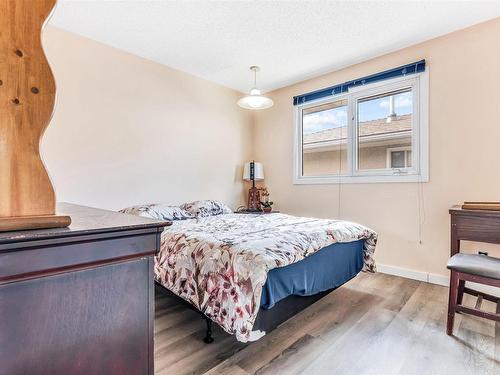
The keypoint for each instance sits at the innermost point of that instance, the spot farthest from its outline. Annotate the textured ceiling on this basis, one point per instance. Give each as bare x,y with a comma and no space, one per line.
290,40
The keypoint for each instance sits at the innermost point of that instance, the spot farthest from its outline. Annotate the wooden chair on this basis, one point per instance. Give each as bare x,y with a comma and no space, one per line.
480,269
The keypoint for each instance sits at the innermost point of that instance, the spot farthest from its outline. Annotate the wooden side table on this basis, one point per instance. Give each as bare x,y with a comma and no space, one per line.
478,226
473,225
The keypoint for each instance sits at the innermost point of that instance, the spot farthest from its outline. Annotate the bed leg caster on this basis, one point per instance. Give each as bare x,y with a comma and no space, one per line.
208,339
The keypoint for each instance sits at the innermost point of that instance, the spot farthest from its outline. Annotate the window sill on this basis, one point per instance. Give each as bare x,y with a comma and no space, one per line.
360,179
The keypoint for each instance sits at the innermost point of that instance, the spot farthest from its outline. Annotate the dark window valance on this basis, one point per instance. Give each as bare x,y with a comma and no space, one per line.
416,67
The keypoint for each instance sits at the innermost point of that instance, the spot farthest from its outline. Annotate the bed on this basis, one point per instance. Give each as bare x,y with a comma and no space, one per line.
249,273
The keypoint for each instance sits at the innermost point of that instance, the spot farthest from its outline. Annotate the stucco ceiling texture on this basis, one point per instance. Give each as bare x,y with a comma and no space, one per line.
290,40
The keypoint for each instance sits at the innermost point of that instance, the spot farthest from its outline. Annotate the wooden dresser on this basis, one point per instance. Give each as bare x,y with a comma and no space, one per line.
79,300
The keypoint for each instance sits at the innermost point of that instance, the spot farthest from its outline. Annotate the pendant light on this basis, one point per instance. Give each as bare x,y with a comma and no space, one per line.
255,100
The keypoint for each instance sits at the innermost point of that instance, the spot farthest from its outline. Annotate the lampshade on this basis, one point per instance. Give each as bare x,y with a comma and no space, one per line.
255,100
258,172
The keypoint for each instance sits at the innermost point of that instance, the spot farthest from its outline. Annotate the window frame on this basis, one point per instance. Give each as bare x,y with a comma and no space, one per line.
390,150
419,172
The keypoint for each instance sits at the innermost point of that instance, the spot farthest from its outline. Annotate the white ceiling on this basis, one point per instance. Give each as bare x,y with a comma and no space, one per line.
290,40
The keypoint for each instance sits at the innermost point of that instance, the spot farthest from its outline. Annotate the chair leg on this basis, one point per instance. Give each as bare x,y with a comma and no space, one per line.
461,288
452,302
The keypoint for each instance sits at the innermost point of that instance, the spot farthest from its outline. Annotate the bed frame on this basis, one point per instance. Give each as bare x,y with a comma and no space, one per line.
267,319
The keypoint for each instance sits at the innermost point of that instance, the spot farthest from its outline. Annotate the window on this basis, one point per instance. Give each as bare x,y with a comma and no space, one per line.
398,157
373,133
324,134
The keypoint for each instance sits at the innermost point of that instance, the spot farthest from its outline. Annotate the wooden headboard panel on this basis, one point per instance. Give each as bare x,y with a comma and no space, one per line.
27,95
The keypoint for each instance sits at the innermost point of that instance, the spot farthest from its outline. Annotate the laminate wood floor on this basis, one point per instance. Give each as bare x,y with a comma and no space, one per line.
375,324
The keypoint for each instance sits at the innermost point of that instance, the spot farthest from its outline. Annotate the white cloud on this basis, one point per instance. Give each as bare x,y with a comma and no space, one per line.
315,122
401,101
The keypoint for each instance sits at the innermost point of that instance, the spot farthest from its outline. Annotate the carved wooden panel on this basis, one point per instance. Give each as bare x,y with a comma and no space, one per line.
27,94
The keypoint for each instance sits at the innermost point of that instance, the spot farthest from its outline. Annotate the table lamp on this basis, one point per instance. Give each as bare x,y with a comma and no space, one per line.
253,172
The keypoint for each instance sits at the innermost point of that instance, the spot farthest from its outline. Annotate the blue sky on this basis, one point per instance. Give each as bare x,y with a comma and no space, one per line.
369,110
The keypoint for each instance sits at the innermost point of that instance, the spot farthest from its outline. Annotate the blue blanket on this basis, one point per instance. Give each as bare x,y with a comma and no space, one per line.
328,268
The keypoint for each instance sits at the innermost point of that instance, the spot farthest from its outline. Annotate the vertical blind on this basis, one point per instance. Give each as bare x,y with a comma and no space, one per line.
416,67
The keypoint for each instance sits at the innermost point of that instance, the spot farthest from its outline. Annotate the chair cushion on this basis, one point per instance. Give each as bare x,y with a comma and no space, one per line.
474,264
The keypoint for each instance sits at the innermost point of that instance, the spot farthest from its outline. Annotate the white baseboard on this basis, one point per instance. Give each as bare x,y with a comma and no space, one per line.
432,278
403,272
414,274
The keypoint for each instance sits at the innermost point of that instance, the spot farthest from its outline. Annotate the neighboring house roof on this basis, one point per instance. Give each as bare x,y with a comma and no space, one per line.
369,129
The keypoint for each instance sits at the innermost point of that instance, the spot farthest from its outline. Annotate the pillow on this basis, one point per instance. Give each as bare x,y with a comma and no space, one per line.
206,208
141,210
159,211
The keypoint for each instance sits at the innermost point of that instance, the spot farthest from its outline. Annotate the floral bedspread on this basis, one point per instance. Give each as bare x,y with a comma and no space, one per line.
220,263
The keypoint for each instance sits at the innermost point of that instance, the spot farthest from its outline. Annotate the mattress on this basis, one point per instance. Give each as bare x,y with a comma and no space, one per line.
326,269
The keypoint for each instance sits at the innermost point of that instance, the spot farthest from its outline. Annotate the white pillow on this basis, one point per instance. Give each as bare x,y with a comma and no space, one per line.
206,208
159,211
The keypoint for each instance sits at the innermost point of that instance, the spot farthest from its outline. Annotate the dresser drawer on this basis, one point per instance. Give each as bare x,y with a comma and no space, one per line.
476,228
79,252
92,321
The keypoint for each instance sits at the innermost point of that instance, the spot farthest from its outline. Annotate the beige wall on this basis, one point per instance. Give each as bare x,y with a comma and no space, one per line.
464,134
127,130
324,163
376,157
327,162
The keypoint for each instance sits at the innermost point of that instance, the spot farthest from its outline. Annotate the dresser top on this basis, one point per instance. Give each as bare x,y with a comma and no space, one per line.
85,221
458,210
